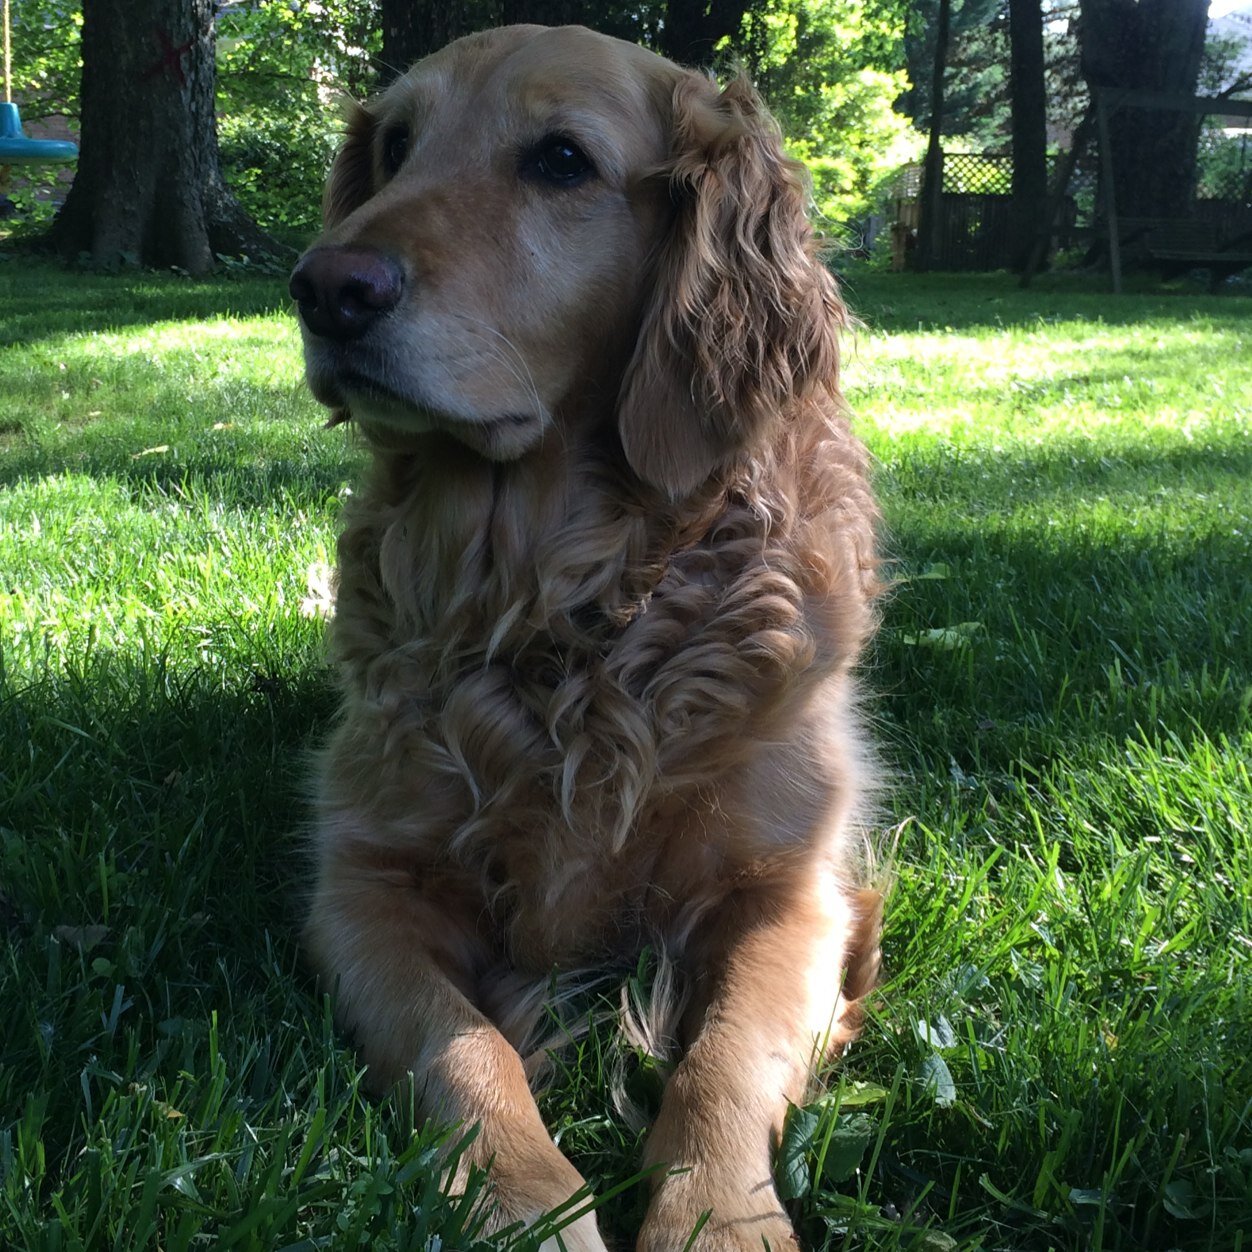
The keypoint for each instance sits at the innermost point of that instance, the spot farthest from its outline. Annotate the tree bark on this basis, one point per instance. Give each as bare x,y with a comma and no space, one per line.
1148,45
1030,127
413,29
687,31
551,13
693,28
928,228
149,188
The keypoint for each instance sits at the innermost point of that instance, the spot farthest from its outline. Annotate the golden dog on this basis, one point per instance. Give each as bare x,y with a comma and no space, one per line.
598,603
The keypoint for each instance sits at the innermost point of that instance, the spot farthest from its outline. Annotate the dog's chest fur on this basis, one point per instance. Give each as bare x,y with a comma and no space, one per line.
565,683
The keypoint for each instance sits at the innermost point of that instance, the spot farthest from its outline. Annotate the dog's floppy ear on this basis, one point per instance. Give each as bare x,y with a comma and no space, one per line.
742,316
351,179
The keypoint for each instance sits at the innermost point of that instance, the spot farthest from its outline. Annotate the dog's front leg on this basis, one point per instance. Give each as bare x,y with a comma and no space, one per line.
768,977
401,967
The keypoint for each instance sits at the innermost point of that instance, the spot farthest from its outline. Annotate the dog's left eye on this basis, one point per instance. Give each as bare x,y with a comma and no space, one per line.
395,149
562,162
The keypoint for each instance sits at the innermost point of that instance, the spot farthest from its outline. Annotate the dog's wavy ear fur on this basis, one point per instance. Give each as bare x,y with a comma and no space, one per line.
351,179
742,318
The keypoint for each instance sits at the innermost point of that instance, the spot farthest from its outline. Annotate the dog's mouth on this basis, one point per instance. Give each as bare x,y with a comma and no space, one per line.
371,402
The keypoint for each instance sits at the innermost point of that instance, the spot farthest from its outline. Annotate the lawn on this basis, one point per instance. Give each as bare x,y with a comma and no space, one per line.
1061,1053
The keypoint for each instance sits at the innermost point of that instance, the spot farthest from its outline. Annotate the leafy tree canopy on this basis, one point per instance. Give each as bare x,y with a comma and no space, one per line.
282,68
831,69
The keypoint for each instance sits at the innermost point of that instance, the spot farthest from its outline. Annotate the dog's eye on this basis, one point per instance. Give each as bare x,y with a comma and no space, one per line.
562,162
395,149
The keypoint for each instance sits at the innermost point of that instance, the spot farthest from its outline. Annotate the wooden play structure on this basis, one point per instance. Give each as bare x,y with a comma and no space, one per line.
1216,235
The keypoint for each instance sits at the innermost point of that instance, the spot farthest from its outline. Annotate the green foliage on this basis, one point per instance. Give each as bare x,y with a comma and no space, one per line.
976,79
1224,167
827,69
977,108
47,70
47,64
282,65
276,162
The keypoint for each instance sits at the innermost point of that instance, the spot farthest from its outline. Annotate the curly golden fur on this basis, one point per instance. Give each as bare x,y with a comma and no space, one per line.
599,599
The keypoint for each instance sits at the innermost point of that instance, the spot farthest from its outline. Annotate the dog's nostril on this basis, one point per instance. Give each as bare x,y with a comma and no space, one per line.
300,288
341,291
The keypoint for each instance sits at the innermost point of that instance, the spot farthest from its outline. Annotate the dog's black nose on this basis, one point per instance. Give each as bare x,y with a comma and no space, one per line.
341,291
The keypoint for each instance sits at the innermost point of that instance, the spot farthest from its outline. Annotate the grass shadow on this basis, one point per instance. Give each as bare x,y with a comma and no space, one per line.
921,302
44,300
186,778
1054,599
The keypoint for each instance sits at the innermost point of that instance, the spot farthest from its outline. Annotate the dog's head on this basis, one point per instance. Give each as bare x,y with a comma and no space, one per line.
536,228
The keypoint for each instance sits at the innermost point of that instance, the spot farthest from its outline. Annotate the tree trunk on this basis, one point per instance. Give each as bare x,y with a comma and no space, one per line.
551,13
688,32
413,29
149,187
1148,45
928,229
1030,128
693,28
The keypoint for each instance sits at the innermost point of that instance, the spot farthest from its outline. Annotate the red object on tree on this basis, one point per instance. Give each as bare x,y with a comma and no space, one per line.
171,60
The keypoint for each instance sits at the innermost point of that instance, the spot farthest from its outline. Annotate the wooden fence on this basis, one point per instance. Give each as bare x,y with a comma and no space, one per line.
975,223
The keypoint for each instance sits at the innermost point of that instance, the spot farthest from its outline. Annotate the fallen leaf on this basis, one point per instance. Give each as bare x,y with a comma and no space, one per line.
84,938
320,600
937,1077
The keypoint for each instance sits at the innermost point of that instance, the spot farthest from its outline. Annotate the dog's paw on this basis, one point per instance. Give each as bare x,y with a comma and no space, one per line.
542,1192
580,1236
739,1220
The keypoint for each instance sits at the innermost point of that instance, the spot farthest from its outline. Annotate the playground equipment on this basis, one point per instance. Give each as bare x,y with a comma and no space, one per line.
15,147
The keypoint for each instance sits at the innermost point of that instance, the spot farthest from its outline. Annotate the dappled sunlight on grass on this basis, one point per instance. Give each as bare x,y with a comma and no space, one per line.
1032,386
91,563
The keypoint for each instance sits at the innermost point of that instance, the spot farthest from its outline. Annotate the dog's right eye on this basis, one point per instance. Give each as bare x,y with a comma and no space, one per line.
395,149
560,162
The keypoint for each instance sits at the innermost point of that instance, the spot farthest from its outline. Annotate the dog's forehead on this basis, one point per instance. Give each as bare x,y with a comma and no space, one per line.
547,74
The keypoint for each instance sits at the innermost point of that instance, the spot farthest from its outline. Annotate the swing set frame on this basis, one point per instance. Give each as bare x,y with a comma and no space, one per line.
1187,240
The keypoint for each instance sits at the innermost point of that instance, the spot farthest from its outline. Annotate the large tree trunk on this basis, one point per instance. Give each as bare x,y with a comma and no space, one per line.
149,187
1148,45
693,28
1030,128
687,31
413,29
553,13
929,227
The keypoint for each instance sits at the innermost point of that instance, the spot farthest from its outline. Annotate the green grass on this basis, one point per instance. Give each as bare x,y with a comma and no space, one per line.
1061,1055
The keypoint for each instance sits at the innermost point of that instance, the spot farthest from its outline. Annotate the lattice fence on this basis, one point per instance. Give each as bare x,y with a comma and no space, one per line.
973,174
964,174
975,226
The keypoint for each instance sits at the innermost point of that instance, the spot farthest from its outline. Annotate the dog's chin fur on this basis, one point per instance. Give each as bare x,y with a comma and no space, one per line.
599,602
496,437
503,438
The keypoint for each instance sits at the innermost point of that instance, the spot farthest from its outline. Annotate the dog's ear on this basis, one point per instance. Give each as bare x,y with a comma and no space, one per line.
742,317
351,180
